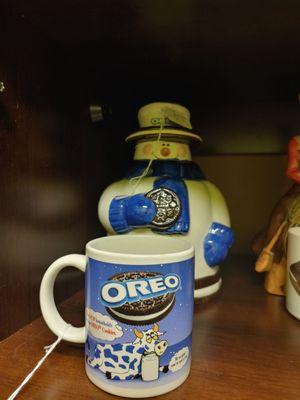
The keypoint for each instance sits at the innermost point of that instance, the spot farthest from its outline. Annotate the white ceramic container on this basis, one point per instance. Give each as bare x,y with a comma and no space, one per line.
139,312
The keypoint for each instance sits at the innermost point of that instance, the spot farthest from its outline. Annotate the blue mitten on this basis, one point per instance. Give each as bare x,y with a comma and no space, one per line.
129,212
217,243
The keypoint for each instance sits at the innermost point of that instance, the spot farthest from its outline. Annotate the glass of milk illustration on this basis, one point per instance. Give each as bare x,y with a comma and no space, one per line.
150,362
150,367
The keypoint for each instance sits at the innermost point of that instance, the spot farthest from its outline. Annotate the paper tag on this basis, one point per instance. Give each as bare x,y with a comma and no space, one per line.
177,117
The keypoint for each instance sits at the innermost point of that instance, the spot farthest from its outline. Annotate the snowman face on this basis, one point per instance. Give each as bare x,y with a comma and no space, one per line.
164,150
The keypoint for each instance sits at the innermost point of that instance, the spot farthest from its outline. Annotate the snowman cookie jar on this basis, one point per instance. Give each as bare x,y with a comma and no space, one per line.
166,193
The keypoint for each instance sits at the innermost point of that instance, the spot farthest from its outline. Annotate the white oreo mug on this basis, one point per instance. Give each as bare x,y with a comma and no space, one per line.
139,312
293,272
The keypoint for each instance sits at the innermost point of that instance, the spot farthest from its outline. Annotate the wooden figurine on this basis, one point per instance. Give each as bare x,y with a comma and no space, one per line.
271,244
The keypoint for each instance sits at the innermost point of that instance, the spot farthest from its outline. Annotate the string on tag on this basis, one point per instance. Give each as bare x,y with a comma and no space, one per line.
135,181
48,351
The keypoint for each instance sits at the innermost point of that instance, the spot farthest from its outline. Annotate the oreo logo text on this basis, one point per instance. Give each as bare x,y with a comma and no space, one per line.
114,293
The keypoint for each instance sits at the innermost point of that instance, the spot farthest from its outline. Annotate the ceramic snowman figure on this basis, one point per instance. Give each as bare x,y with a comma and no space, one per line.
165,193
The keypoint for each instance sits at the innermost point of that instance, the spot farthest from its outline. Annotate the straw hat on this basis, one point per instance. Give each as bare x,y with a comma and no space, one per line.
173,118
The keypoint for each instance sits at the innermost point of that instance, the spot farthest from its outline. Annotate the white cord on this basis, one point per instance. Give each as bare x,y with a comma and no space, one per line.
138,179
48,350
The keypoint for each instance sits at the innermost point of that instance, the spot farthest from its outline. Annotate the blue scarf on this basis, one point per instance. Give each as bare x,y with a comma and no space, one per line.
170,168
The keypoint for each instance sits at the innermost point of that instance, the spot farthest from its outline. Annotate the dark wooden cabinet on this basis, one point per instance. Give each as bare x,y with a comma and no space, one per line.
235,65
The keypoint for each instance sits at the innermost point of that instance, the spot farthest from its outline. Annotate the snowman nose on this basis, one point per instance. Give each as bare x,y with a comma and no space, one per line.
165,152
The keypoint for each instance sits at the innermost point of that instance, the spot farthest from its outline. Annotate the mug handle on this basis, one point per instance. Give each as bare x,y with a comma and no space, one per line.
50,313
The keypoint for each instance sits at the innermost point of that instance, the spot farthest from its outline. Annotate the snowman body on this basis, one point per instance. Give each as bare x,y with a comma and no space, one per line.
202,204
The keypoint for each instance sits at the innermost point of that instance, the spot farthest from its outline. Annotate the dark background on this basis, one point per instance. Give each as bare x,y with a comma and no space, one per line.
234,64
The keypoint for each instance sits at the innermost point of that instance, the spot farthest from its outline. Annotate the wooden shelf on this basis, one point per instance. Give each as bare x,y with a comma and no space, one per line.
245,345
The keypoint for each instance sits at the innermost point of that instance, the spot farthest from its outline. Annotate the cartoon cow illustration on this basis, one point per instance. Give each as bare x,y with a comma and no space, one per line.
123,361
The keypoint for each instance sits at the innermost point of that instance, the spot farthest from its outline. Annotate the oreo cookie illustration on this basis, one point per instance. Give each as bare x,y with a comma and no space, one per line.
168,207
295,276
144,311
